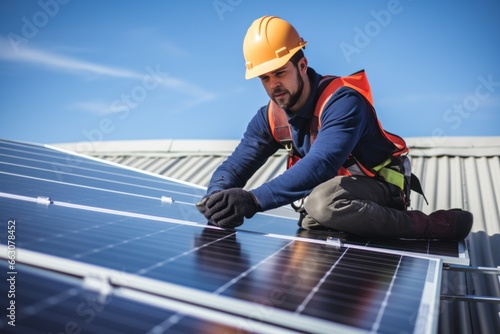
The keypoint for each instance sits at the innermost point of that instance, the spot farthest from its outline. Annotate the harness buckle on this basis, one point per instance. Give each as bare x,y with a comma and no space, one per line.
289,148
298,205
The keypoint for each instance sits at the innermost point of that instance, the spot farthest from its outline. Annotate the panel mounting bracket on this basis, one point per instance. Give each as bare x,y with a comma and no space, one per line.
99,283
475,270
44,200
335,242
166,200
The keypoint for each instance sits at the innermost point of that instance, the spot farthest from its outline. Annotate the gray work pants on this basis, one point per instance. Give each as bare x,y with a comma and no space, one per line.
358,205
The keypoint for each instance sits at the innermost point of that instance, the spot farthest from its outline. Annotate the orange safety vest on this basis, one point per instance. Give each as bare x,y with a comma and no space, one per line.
395,169
281,131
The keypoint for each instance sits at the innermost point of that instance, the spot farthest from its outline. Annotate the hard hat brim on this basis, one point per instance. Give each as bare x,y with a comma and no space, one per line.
271,65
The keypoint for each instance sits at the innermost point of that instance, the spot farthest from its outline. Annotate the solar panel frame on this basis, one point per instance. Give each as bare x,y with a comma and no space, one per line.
144,205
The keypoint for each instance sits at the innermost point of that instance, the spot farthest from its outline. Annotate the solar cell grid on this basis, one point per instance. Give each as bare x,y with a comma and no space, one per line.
106,216
53,303
58,167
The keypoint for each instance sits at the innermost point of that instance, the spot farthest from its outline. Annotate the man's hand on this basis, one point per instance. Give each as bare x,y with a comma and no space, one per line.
227,208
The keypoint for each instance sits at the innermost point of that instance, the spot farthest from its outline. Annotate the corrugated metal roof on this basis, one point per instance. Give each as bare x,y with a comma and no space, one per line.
455,172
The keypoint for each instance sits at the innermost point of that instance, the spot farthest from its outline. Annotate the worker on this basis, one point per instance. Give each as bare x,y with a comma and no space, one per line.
347,171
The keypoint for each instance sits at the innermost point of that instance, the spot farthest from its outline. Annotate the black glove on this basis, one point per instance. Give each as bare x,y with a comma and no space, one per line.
227,208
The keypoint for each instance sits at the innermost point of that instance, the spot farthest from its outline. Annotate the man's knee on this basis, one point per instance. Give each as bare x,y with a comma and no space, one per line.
351,216
332,214
326,192
323,197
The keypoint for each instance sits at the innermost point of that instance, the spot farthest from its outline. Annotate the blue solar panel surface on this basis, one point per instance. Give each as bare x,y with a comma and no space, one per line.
83,210
54,303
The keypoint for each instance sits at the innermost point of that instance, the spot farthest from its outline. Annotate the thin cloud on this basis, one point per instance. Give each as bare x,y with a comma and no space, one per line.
187,88
39,57
58,62
97,107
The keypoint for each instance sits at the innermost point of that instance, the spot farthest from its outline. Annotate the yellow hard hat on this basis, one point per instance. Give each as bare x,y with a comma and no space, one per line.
270,42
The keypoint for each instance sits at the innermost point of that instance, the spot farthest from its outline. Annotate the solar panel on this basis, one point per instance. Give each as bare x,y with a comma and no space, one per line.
88,228
450,251
55,303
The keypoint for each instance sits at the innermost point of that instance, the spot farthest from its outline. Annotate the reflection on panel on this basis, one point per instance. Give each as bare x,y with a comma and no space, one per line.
84,212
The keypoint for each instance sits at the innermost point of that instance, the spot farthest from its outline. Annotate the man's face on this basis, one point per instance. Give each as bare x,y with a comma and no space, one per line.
284,85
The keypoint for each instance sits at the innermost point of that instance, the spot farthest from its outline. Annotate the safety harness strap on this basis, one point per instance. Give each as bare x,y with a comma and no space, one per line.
281,131
278,123
358,81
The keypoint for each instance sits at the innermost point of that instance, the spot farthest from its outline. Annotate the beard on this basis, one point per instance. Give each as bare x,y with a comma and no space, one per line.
288,100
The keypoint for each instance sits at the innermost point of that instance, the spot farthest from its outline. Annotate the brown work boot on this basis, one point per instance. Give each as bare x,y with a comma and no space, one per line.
454,224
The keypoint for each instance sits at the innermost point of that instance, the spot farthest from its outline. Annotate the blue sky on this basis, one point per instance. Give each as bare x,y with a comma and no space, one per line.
73,70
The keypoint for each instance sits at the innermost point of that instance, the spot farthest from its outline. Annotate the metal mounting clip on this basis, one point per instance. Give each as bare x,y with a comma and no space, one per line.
335,242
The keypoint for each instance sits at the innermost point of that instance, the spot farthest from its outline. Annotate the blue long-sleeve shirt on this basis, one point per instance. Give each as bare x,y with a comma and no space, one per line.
348,125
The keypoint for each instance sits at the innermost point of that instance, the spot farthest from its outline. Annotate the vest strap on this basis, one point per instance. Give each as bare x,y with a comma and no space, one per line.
280,128
391,176
278,123
359,82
